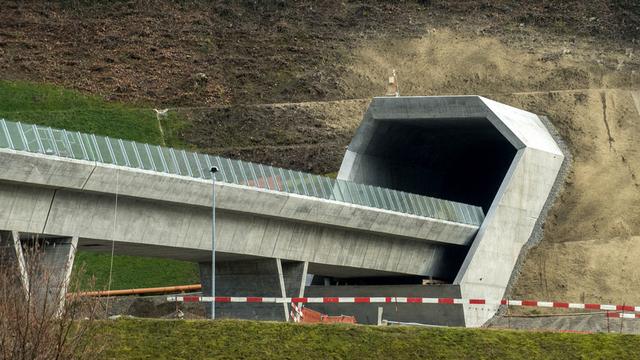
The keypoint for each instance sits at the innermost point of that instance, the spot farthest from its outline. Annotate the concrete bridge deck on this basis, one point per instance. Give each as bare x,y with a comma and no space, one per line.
64,184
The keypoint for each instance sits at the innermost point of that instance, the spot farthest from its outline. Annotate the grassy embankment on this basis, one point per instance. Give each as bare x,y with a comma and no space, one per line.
228,339
61,108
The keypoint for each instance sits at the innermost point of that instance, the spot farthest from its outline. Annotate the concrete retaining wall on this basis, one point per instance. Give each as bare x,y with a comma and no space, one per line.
433,314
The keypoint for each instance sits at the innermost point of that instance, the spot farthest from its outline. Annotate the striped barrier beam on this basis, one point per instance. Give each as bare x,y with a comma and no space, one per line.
401,300
623,315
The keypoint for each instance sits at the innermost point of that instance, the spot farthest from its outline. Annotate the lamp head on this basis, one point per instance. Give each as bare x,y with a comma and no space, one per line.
214,169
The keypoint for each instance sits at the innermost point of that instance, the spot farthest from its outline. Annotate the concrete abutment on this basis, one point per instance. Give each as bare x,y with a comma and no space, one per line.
260,277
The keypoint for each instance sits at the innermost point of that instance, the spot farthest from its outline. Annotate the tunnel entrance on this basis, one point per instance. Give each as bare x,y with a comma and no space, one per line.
458,159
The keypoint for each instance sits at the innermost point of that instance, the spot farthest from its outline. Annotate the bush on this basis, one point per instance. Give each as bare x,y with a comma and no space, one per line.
37,319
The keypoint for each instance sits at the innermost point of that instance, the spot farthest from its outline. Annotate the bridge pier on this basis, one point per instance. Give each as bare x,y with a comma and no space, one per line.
264,277
12,260
43,265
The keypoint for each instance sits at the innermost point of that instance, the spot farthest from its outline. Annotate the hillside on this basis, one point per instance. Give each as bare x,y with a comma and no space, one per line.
293,94
244,52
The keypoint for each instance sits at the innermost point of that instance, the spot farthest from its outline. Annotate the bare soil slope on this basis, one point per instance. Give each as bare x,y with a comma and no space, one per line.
591,244
252,52
310,136
445,61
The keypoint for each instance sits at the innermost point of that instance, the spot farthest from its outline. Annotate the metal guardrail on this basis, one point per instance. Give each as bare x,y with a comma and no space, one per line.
91,147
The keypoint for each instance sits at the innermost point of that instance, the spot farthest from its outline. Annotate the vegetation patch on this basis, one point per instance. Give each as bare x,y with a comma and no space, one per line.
45,104
58,107
174,124
131,272
229,339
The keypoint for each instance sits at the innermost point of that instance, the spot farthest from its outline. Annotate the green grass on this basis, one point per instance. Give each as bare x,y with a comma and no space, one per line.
62,108
173,125
228,339
133,271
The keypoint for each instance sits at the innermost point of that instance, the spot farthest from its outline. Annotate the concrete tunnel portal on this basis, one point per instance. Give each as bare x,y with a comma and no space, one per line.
458,159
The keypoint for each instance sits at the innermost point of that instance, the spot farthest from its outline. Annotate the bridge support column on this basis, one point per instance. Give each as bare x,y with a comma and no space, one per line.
265,278
12,260
44,264
50,280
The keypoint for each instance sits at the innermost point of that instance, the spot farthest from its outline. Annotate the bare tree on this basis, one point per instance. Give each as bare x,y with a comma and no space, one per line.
38,320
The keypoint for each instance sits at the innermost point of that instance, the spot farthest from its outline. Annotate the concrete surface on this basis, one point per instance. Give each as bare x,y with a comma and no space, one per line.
170,230
64,173
44,265
465,145
11,256
268,278
50,280
170,214
514,212
433,314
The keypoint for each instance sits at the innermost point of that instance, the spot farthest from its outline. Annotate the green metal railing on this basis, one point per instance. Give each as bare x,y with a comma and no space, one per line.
90,147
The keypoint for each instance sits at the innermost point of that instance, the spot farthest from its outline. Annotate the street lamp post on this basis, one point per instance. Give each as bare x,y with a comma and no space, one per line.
214,170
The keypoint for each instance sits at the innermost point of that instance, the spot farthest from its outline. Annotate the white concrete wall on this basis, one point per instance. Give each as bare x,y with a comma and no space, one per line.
184,232
24,208
513,214
169,216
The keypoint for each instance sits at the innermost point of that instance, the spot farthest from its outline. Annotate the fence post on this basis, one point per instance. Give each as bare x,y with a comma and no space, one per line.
508,316
622,317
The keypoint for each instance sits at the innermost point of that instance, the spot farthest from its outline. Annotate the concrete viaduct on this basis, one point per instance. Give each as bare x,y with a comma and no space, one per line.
408,206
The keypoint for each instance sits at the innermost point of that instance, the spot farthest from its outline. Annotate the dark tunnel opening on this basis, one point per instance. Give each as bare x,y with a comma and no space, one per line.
463,160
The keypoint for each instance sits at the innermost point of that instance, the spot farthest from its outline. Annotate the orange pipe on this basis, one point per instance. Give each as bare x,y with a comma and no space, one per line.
154,290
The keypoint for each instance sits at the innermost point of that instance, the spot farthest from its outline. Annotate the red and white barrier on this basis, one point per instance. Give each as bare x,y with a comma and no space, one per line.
296,312
402,300
624,315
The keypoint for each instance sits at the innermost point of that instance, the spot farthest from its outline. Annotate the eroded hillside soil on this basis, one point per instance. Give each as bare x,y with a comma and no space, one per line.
253,52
